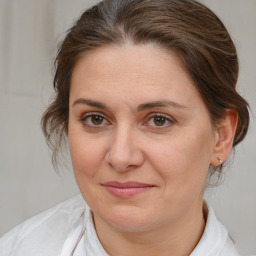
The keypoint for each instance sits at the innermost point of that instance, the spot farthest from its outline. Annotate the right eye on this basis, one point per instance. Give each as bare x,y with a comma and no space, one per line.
94,120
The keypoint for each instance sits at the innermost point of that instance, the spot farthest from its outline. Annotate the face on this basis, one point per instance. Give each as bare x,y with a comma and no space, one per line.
140,136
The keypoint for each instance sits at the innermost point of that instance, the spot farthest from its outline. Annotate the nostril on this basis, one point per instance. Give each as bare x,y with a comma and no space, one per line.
124,153
122,161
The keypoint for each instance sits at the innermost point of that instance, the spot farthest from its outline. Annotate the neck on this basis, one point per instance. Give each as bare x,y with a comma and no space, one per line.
178,239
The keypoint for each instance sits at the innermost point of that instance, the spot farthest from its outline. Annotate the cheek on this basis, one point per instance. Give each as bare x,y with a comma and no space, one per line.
86,154
183,162
87,157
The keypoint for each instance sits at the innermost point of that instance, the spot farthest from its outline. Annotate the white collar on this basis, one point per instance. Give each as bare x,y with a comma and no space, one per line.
92,245
211,243
214,237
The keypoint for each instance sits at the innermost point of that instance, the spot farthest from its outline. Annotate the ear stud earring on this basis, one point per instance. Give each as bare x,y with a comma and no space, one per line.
220,160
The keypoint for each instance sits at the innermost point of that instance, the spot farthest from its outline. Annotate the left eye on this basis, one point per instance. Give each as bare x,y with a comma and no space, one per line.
159,121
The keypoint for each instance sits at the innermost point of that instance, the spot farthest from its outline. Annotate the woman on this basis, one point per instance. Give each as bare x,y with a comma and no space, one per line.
145,95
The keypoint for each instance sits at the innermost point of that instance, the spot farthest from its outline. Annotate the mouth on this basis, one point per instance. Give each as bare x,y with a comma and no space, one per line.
127,189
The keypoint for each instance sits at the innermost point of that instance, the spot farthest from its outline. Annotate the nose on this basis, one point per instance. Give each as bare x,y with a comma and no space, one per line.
124,153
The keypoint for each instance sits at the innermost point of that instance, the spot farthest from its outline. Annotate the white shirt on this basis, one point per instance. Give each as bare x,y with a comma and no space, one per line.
68,228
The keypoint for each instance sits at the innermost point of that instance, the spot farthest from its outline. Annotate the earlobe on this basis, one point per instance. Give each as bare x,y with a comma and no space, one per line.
225,136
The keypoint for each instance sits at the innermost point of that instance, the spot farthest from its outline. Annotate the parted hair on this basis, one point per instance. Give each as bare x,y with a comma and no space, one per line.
184,26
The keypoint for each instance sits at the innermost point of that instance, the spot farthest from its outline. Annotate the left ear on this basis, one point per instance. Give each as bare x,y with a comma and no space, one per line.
225,133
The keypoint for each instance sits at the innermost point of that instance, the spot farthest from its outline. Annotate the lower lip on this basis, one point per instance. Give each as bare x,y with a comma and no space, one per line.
126,192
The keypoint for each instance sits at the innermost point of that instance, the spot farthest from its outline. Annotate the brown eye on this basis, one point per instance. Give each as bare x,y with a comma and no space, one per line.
97,120
159,120
93,120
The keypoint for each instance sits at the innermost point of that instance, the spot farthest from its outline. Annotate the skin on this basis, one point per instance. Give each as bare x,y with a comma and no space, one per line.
125,144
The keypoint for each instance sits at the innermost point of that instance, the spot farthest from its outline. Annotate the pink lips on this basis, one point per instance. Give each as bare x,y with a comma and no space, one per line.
127,189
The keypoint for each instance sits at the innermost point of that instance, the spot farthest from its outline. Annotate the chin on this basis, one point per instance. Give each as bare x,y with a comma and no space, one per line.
129,219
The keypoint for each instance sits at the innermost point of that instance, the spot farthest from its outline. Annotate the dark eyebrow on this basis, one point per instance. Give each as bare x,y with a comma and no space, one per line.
164,103
89,102
141,107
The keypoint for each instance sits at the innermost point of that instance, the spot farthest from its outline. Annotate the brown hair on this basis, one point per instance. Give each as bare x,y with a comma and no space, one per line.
185,26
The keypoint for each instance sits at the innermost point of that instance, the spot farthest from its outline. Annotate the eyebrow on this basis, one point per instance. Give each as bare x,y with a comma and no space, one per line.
164,103
141,107
88,102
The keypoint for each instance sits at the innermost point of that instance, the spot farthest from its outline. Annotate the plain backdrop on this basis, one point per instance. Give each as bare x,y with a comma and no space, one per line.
29,33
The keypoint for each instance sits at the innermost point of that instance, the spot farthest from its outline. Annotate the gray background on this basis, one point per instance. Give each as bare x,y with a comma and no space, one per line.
29,33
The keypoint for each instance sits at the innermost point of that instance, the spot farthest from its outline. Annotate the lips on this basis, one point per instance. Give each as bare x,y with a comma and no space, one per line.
126,189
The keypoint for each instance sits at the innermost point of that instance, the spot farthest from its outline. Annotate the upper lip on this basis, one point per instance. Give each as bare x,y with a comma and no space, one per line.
129,184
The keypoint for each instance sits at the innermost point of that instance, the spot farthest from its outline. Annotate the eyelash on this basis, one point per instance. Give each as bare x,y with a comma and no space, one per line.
149,117
91,114
166,117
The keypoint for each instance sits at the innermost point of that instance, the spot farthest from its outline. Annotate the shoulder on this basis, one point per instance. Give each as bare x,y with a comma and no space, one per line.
215,239
229,248
48,228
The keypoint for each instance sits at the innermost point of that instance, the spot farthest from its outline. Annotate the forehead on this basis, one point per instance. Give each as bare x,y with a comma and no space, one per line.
129,58
132,70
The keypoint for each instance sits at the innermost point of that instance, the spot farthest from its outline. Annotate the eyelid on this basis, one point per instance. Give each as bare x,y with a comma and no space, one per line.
84,116
148,117
157,114
93,113
171,119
